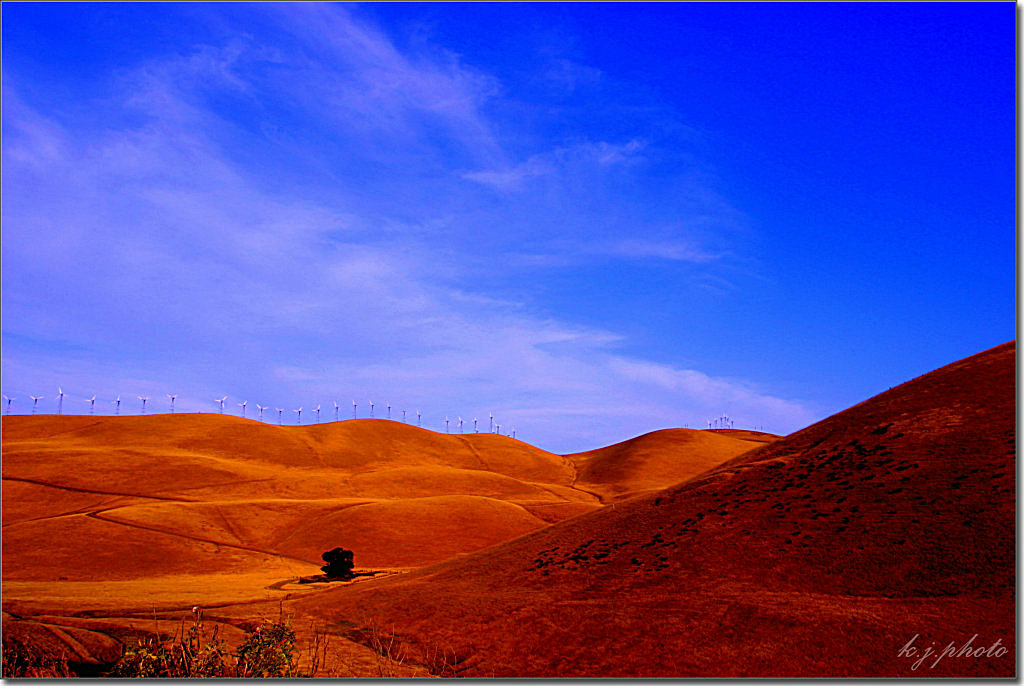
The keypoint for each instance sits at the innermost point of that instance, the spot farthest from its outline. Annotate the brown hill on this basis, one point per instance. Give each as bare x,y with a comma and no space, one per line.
200,508
657,460
851,548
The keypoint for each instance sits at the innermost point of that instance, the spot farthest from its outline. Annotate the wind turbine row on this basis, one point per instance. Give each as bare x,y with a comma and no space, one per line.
172,397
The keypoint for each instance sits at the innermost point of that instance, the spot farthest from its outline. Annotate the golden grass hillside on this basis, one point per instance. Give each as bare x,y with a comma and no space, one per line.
169,510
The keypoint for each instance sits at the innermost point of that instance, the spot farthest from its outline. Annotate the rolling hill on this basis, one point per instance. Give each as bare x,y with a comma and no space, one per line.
851,548
203,508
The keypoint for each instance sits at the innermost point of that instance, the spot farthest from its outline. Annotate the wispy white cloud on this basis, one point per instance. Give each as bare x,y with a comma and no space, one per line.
563,161
666,250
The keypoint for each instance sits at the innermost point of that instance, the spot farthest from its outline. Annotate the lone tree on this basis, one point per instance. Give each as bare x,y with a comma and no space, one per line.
339,564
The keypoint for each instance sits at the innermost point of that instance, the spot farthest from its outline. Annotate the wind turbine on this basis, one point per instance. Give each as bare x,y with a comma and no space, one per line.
490,425
280,411
354,410
260,408
60,400
460,424
418,418
335,410
317,410
9,400
446,425
35,401
143,399
117,405
474,425
299,411
499,429
242,405
389,409
513,433
172,397
221,401
371,408
92,403
403,416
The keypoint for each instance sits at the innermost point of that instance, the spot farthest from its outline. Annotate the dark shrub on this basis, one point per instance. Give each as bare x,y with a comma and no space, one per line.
339,564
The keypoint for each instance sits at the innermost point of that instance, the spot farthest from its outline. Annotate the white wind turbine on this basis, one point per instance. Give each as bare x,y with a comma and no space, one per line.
280,411
403,416
260,409
35,401
221,402
499,429
173,398
299,411
60,400
371,408
446,425
474,425
418,415
242,405
336,406
490,424
92,403
117,405
460,424
9,401
143,399
317,410
354,410
389,409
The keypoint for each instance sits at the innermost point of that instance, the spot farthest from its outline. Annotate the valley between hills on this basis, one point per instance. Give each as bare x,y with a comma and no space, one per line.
678,553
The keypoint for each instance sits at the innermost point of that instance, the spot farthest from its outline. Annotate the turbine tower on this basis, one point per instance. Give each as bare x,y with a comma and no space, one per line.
317,410
499,429
299,411
460,424
221,401
474,425
403,416
371,408
242,405
418,415
335,410
280,411
9,400
355,408
143,399
92,403
117,405
35,401
260,409
446,425
389,409
60,400
490,422
172,397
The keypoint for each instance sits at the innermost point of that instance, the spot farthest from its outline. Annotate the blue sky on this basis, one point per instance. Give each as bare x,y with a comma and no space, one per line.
591,220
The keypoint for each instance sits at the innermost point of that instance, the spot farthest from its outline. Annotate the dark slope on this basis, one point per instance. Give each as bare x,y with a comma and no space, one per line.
821,554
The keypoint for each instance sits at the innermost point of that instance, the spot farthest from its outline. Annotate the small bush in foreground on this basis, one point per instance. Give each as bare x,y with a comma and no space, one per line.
268,651
190,654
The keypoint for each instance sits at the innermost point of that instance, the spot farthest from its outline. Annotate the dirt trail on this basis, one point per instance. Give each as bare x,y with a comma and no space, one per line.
98,515
78,489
